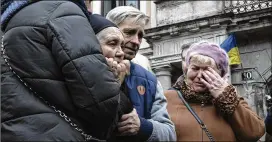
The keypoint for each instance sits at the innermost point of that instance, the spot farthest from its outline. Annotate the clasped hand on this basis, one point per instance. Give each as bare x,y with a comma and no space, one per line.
129,124
120,70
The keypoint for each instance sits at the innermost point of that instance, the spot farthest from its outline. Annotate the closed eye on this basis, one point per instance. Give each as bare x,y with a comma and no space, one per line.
112,43
195,68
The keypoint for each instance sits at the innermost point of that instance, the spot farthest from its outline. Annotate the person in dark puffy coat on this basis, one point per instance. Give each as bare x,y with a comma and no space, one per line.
51,51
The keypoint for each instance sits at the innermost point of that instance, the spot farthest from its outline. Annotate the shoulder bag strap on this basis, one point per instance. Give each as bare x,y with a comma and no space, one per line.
201,123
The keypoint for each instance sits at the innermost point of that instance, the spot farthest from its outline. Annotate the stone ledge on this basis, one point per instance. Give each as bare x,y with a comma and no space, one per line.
163,70
192,26
212,22
146,51
159,61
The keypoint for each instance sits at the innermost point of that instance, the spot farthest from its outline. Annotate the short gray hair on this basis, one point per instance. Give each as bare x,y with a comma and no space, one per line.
120,13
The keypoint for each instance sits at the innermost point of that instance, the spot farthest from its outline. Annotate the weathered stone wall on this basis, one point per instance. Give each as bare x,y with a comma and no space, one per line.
169,12
256,57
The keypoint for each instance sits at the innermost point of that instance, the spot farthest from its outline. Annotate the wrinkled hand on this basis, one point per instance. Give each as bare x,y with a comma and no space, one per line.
120,70
214,82
126,65
129,124
114,66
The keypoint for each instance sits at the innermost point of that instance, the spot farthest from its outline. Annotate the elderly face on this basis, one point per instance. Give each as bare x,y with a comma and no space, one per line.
111,40
198,64
133,33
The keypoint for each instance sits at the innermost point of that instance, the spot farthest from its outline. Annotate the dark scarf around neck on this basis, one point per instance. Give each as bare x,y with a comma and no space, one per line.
193,97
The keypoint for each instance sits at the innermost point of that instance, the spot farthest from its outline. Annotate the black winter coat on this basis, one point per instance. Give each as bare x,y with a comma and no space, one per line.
51,46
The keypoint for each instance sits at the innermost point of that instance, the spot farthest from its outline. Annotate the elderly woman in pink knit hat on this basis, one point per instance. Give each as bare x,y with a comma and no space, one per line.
206,107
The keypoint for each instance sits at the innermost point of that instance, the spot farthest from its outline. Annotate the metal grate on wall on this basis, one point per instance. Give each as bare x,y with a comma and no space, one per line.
239,6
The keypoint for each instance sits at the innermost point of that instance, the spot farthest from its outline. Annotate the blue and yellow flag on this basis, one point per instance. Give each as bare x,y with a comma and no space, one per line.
230,46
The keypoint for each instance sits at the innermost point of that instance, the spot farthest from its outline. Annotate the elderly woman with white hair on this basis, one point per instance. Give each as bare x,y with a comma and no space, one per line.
111,39
206,107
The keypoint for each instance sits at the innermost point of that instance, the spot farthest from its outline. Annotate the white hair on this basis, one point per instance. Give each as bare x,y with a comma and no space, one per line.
101,36
121,13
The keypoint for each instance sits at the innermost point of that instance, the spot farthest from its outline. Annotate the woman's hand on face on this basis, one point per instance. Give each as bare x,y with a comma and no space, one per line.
214,82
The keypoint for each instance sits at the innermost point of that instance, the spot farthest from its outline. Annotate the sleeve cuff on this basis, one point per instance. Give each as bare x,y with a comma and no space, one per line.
146,129
227,102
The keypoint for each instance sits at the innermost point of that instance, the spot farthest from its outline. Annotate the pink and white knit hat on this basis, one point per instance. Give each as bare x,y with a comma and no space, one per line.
211,50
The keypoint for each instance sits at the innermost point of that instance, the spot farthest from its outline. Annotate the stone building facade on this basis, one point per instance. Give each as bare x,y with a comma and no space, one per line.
181,22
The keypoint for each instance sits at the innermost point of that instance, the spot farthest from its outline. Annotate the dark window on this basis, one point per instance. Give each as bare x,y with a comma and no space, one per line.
108,5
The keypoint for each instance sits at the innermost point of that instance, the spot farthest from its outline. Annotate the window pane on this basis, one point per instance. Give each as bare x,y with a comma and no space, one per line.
134,3
120,3
108,5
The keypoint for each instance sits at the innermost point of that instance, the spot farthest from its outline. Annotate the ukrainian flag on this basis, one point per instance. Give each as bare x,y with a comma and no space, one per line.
230,46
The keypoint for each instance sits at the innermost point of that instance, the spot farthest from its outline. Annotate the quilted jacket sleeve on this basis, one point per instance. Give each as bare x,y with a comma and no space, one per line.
92,86
252,124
